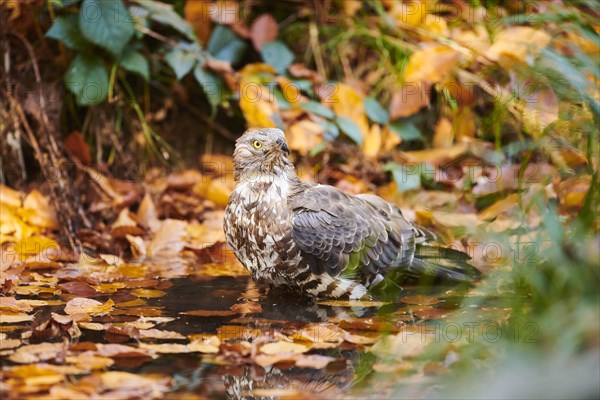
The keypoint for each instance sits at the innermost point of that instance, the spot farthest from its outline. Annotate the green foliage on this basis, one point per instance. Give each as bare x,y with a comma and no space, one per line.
211,84
66,29
317,109
182,61
106,24
277,55
376,112
347,126
87,78
225,45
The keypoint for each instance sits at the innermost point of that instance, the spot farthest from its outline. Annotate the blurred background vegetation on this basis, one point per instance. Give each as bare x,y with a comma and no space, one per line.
480,115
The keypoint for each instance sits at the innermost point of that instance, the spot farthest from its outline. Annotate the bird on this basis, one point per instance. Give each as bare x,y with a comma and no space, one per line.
317,241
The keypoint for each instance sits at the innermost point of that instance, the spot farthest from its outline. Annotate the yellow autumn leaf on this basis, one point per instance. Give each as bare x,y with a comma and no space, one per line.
373,141
518,43
411,13
303,136
258,105
347,102
38,211
10,197
33,245
430,64
81,305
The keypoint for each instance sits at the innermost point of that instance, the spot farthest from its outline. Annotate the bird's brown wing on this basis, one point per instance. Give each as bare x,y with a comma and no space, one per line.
349,235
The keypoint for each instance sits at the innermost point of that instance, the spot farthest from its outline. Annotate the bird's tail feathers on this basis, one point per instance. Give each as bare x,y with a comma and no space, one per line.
443,263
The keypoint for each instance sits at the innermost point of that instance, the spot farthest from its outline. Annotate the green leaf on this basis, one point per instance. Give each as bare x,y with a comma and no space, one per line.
305,86
63,3
211,84
281,101
106,23
350,129
376,112
225,45
66,29
407,177
331,130
135,62
277,55
317,109
317,149
87,78
181,61
406,130
164,14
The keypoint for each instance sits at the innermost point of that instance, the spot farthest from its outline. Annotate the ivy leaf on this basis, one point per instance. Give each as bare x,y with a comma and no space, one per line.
87,78
181,61
211,84
406,130
350,129
63,3
135,62
317,109
277,55
331,130
225,45
66,29
376,112
106,23
164,14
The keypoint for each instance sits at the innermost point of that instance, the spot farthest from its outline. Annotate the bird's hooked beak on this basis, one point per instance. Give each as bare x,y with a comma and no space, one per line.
283,145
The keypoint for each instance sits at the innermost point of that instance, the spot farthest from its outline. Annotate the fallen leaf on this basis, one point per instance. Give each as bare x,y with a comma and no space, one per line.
8,317
210,313
518,43
248,307
282,347
80,305
168,240
148,293
76,145
34,353
405,344
10,197
37,210
407,101
315,361
430,64
159,334
56,327
420,300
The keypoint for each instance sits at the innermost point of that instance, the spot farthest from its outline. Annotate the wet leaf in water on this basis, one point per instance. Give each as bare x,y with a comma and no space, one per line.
159,334
210,313
315,361
419,299
82,305
283,348
34,353
57,327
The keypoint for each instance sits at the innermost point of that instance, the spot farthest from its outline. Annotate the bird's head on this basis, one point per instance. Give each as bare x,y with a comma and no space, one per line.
261,151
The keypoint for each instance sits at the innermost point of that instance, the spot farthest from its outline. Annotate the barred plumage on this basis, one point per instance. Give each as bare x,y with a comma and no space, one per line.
313,238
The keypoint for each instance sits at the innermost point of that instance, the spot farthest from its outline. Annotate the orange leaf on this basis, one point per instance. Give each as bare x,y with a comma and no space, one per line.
430,65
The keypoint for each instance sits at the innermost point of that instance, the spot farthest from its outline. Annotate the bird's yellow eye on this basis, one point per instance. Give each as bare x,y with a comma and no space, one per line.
257,144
